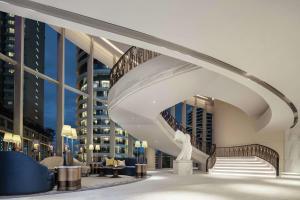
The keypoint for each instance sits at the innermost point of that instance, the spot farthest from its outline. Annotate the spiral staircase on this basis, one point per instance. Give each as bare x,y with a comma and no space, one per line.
144,84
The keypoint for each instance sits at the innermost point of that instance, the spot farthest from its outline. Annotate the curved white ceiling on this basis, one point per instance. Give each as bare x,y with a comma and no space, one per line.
259,37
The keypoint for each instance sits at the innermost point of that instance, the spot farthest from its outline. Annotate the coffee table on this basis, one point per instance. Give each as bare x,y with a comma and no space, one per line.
115,171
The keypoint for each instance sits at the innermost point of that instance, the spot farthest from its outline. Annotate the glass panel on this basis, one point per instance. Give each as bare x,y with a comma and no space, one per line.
178,113
71,101
50,52
40,48
70,64
34,45
39,116
6,102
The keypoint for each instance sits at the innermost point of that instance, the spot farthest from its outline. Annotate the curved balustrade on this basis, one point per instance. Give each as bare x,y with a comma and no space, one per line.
258,150
128,61
177,126
211,160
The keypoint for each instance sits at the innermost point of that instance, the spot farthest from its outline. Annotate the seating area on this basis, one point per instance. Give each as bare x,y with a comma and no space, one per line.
128,168
51,175
17,170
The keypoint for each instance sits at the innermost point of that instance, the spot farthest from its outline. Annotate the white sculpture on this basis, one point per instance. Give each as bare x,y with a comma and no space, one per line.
185,139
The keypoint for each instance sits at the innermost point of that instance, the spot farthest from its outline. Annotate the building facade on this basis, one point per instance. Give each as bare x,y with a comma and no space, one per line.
109,139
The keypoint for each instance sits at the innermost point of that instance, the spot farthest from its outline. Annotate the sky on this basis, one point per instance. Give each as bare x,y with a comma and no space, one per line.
70,79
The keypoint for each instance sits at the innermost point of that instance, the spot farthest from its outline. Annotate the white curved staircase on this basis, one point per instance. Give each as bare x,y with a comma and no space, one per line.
144,88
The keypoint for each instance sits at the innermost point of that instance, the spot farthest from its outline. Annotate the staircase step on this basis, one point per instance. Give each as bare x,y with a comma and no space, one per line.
244,171
243,174
242,166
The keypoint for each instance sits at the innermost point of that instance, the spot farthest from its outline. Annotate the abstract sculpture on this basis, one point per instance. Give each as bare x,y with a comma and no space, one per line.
185,139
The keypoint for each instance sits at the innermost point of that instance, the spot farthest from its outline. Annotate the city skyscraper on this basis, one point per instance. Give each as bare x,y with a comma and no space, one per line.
109,139
34,40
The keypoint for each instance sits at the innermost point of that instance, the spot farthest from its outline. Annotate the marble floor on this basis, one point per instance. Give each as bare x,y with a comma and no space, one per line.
164,185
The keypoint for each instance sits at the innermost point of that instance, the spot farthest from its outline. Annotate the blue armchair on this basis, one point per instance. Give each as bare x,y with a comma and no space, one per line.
20,174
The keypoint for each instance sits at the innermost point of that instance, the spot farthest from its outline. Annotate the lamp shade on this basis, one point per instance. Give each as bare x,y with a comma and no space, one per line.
145,144
97,147
137,144
8,137
74,133
17,139
91,147
66,131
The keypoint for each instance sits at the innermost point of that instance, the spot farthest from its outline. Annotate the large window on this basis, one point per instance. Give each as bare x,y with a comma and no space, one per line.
39,112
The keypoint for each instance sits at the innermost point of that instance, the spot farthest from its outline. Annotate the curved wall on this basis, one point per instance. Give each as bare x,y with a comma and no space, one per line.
231,127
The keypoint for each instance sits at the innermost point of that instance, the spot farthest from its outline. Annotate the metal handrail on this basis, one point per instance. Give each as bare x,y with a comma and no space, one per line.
128,61
261,151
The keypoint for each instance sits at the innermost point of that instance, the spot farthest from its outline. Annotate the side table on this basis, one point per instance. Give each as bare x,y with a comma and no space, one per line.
69,178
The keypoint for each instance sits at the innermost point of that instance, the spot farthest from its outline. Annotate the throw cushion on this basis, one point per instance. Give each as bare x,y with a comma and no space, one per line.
121,163
109,162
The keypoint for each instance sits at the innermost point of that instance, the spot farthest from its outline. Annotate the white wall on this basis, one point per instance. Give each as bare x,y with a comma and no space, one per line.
233,127
292,150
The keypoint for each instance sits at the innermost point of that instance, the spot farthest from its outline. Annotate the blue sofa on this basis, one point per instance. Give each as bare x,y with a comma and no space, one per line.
129,170
20,174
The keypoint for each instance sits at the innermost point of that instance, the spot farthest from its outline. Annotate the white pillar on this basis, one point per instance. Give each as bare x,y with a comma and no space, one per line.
90,103
150,155
19,79
173,111
130,146
112,141
60,91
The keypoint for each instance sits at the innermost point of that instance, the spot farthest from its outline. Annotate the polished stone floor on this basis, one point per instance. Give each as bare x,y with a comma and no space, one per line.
164,185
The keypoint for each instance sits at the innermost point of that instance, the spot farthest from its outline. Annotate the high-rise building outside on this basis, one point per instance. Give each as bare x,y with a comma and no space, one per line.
33,102
107,135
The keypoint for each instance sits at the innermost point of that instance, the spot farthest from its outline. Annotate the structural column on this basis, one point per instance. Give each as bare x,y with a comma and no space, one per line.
112,141
150,155
183,114
19,79
173,111
130,146
60,91
90,103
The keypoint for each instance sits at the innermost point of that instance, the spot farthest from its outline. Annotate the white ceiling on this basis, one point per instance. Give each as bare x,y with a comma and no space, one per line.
259,37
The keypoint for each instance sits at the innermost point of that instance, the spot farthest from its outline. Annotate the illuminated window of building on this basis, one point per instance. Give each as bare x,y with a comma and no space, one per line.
83,122
11,30
11,71
84,114
96,83
105,93
105,84
11,22
11,54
